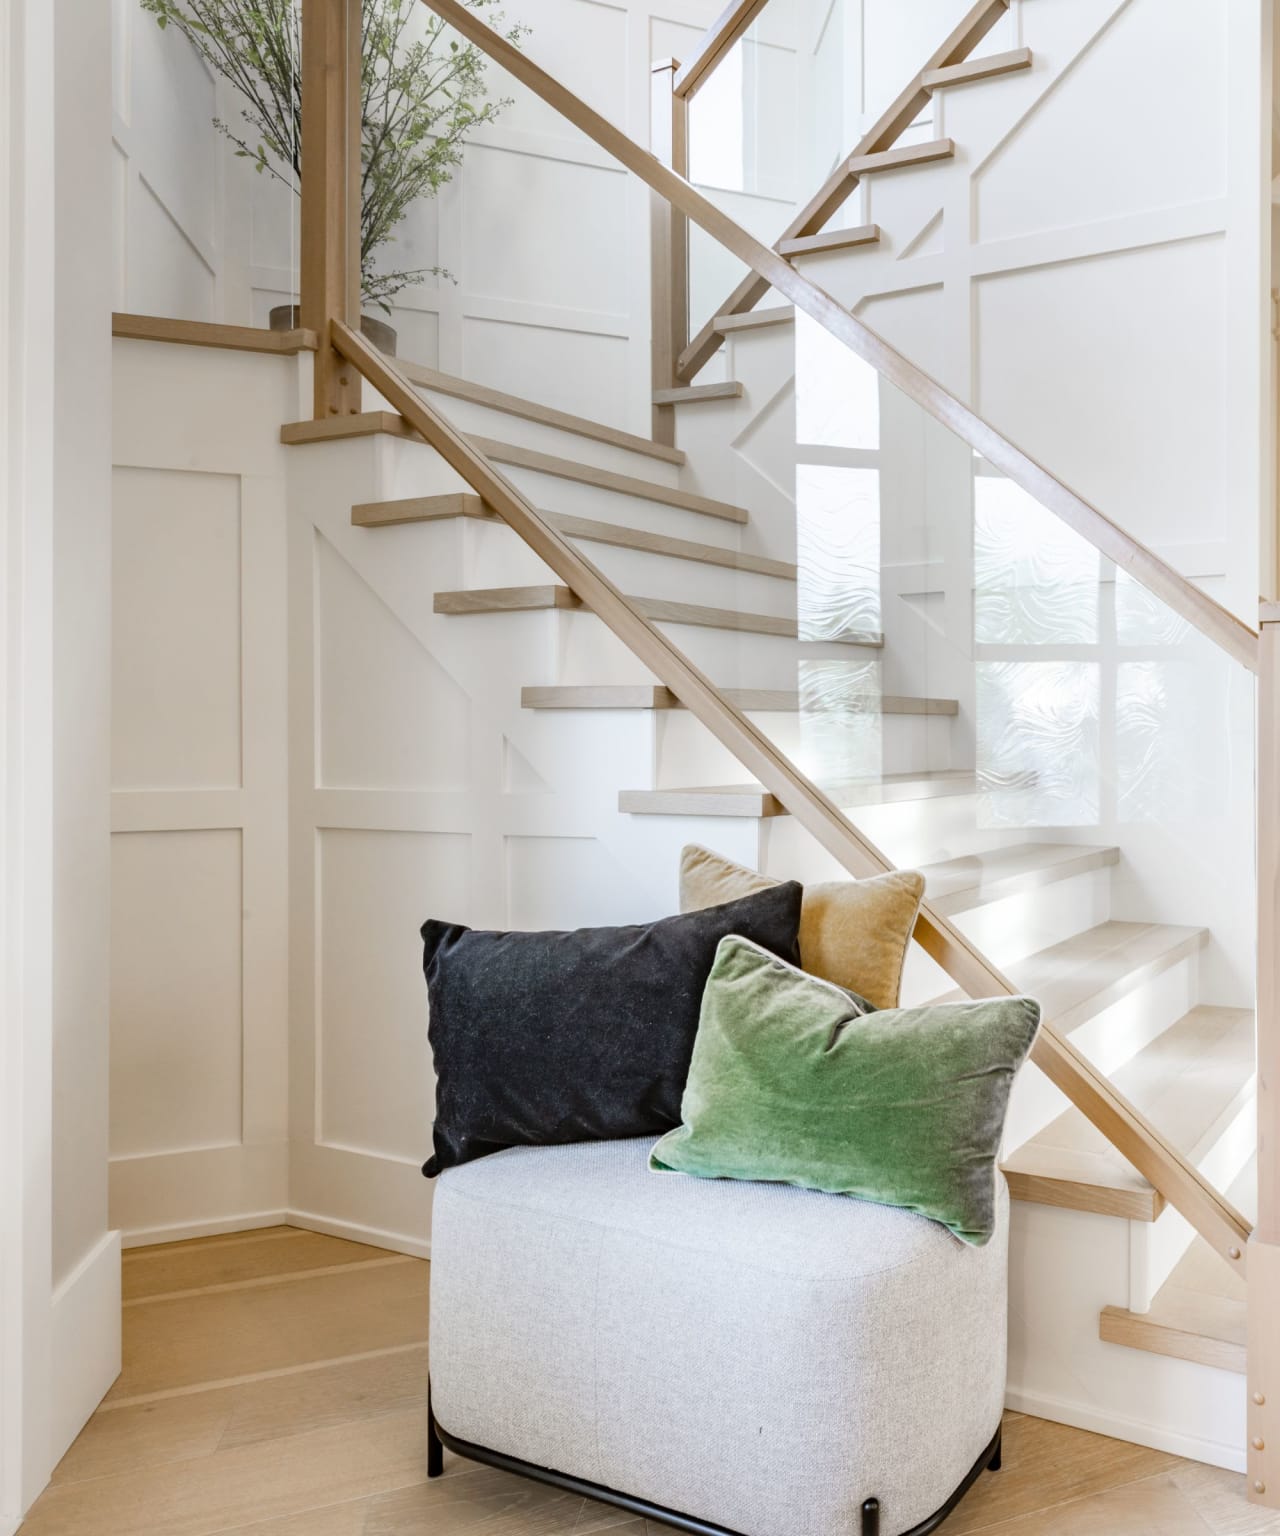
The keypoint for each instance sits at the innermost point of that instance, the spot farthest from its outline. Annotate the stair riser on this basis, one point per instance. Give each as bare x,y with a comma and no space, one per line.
1163,1242
608,506
1111,1037
482,421
411,469
1064,1267
497,557
863,745
590,654
1009,929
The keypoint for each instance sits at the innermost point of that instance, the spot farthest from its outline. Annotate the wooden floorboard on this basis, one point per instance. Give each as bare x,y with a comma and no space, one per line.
187,1267
323,1434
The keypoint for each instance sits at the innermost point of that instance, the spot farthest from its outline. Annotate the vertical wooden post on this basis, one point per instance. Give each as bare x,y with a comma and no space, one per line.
330,275
669,244
1264,1245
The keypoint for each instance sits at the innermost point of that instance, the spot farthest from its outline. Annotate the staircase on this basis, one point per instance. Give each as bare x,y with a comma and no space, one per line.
1039,903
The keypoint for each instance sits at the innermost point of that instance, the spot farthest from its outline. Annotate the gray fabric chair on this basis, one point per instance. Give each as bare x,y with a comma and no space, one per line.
723,1356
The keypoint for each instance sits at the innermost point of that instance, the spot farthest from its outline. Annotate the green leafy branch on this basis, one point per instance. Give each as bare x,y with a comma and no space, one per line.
422,93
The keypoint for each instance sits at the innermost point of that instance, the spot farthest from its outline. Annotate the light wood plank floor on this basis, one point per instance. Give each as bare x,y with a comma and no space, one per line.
274,1385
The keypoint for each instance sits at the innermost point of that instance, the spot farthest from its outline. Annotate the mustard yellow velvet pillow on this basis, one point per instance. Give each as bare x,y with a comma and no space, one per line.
852,932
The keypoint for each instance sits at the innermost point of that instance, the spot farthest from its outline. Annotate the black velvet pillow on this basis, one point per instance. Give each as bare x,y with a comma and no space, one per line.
543,1038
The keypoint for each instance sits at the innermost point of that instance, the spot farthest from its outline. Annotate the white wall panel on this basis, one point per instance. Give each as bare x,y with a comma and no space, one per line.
167,274
572,257
374,1064
1115,145
1143,437
571,369
176,991
176,704
569,882
200,940
389,716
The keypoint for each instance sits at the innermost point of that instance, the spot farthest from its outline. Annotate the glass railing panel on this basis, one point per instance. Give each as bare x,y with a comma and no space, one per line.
750,141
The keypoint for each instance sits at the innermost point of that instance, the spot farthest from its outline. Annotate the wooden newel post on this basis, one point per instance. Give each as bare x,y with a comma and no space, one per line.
330,265
1264,1245
669,245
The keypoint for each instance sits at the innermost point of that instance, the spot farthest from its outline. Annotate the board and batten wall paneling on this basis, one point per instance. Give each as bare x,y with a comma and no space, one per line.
199,817
1096,255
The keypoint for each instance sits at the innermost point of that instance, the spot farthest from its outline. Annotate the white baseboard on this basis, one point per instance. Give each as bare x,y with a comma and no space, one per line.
84,1342
417,1248
8,1528
179,1232
1118,1427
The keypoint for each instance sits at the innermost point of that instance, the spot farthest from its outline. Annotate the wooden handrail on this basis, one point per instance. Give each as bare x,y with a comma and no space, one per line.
1160,1163
839,186
1197,608
719,37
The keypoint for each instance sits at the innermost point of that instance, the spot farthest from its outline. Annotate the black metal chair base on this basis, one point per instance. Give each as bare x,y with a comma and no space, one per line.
439,1439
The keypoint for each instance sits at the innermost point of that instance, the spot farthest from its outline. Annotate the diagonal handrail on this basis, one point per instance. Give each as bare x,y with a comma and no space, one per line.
715,42
1213,1217
838,187
1212,620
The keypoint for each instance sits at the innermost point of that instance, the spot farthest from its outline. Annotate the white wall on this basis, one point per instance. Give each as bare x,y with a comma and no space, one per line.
59,1331
198,774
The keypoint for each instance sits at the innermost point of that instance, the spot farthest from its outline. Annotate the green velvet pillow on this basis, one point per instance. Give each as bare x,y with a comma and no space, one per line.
793,1081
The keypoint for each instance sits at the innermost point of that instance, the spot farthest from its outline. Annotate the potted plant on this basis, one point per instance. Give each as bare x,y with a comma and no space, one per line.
422,92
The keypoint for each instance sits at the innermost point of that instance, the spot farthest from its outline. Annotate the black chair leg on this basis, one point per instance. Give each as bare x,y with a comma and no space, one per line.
994,1464
435,1449
871,1518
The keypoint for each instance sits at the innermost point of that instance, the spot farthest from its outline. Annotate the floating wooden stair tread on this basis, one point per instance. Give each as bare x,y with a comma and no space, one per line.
605,479
335,429
977,69
1199,1313
658,609
447,384
691,394
1191,1082
756,700
426,509
756,319
753,800
959,885
898,159
828,240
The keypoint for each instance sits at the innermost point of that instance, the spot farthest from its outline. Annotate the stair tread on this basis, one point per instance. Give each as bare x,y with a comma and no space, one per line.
755,700
969,71
1075,978
754,800
829,240
425,509
531,410
960,884
1200,1312
1185,1081
604,479
756,319
896,159
657,609
690,394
